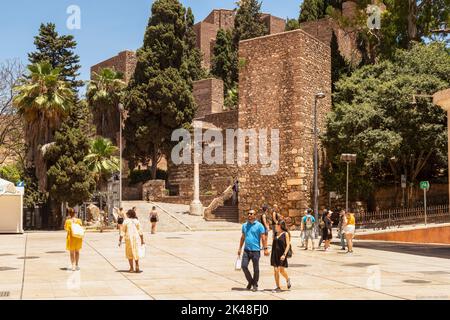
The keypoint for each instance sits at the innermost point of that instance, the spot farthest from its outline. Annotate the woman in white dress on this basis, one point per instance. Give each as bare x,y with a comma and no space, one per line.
131,230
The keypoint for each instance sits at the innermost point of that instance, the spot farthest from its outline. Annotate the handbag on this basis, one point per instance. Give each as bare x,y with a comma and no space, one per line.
77,231
289,253
141,251
238,264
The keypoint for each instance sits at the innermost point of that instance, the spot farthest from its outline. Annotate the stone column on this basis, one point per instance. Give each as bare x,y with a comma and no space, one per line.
196,207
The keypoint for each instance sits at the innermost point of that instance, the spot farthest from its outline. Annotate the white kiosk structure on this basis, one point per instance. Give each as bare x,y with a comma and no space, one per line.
11,208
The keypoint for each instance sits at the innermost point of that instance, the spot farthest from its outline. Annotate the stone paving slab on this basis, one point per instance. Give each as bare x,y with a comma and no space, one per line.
176,218
200,265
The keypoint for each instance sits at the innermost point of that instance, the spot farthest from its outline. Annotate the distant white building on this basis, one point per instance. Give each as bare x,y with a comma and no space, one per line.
11,208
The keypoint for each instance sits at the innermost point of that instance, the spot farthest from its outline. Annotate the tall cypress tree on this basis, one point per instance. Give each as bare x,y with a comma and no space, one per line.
193,55
68,178
159,98
311,10
248,23
59,52
224,61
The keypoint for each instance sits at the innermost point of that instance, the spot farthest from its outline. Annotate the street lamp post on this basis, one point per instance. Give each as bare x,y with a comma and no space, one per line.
319,95
347,158
120,153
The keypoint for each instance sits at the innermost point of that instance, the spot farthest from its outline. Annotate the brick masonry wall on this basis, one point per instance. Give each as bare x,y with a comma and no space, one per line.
213,178
208,95
206,30
323,29
274,24
278,83
431,234
124,62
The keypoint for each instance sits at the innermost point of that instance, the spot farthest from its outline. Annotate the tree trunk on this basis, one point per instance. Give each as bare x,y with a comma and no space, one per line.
154,165
412,21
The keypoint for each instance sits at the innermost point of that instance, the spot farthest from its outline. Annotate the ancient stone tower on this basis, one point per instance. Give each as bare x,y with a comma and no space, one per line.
280,77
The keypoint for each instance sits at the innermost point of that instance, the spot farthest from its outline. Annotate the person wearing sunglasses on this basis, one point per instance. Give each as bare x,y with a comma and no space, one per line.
253,233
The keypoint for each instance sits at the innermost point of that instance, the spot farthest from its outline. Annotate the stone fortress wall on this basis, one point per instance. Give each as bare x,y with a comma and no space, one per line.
207,29
124,62
282,74
277,89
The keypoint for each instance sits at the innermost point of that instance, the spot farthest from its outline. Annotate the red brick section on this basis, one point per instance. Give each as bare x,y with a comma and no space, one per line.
124,62
324,28
274,24
281,75
424,235
206,30
208,95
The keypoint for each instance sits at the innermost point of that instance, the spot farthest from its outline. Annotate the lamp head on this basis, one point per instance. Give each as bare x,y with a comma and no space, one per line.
320,95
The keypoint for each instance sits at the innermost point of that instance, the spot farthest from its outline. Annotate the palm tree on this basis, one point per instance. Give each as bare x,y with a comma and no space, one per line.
43,99
101,159
103,95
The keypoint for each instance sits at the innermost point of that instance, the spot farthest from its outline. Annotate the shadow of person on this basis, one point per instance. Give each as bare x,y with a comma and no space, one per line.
239,289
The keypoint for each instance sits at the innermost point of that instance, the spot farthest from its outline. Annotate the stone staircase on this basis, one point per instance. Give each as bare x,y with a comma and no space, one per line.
226,212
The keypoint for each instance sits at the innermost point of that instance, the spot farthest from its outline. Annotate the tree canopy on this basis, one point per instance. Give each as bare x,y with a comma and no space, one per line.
159,97
376,117
224,61
248,23
69,178
58,50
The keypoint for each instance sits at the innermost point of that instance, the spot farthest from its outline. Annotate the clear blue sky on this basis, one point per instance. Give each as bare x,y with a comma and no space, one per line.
107,26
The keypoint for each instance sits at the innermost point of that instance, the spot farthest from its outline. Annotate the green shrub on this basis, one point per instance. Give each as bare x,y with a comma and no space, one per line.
11,173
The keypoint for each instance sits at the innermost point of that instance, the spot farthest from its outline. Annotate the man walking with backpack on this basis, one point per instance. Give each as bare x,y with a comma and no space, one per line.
307,228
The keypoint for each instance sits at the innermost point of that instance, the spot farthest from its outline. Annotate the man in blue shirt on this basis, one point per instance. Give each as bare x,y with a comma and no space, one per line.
252,234
307,227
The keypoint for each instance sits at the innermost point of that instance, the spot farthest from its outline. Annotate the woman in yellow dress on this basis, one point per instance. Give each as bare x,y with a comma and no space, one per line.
131,231
73,245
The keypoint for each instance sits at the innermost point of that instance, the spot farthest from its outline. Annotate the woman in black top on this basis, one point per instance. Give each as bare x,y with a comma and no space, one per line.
280,248
326,231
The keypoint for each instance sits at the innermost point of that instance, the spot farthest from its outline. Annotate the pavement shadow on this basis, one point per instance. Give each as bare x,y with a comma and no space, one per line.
126,271
270,290
427,250
239,289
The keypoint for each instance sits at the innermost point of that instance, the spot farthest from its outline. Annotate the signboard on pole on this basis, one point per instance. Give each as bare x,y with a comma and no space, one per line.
424,185
403,181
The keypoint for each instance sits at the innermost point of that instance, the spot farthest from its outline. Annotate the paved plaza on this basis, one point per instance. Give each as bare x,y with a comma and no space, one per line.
200,265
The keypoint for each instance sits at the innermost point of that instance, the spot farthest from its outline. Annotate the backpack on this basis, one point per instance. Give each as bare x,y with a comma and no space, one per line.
309,223
322,224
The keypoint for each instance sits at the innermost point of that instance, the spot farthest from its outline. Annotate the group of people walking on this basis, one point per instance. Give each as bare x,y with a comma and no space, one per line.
255,232
346,229
130,231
